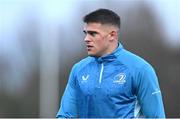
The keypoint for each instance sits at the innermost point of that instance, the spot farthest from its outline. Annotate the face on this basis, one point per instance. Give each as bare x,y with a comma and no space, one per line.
98,39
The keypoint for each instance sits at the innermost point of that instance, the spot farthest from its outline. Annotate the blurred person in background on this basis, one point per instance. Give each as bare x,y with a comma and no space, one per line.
111,81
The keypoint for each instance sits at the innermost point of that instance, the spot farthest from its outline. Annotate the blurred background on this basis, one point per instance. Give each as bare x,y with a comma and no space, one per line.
40,40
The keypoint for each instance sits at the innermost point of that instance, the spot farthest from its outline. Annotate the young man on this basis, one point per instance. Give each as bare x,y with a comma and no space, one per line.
111,81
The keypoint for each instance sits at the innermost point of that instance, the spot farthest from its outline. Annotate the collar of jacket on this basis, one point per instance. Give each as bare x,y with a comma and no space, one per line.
110,57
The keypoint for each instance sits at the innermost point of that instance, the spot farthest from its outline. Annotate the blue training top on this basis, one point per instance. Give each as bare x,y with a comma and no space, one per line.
120,84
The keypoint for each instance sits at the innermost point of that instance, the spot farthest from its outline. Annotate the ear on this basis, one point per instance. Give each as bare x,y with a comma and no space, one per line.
113,35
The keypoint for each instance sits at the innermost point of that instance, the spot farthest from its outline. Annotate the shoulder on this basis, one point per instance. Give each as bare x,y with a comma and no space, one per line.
132,60
83,63
140,69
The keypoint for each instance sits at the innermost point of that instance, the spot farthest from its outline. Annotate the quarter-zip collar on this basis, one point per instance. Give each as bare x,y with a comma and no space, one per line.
110,57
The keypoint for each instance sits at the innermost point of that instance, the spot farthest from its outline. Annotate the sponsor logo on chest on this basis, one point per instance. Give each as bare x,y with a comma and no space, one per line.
85,78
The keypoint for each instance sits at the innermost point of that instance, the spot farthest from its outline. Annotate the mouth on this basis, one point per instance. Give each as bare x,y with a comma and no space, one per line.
89,47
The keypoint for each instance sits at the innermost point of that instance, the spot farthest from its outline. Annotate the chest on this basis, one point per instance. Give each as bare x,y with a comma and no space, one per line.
107,80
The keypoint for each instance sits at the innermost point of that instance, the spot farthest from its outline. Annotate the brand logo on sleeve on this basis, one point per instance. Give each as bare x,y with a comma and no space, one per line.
156,91
120,78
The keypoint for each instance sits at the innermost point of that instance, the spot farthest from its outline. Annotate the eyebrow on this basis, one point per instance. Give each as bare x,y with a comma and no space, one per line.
90,32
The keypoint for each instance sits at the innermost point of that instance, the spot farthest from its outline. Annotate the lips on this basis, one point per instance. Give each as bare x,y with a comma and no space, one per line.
89,47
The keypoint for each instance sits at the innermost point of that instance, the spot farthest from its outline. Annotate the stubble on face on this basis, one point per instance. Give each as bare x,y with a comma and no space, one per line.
95,41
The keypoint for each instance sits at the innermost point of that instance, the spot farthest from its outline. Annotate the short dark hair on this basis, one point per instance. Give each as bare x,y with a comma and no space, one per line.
103,16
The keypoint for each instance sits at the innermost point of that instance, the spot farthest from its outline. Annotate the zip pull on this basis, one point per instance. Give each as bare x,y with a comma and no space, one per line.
100,77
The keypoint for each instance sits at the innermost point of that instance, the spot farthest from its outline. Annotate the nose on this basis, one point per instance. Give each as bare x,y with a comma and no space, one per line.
87,39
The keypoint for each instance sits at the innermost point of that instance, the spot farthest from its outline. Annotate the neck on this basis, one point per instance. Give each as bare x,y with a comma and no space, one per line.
111,49
114,47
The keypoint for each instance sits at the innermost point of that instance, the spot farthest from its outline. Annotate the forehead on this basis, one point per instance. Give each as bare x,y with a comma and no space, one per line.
93,27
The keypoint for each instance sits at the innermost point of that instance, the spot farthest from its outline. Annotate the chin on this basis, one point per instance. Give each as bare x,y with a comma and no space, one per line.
91,54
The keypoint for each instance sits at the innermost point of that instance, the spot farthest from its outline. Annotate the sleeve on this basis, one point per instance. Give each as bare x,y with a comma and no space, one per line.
68,107
149,94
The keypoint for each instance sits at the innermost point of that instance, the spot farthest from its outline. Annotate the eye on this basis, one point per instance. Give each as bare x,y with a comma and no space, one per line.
92,33
84,32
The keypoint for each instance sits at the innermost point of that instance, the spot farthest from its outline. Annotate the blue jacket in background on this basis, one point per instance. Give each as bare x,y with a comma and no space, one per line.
120,84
